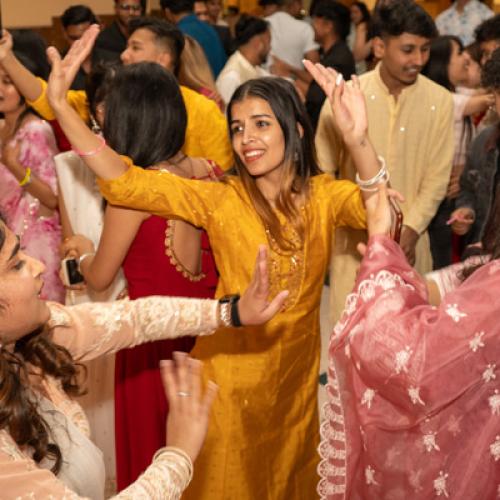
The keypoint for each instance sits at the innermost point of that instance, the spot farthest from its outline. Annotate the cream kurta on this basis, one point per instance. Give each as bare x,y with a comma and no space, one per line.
415,136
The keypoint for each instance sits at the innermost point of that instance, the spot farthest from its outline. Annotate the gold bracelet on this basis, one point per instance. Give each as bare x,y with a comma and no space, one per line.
27,178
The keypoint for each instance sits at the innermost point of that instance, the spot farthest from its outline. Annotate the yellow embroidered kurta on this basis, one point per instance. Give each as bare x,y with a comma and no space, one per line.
207,133
263,433
415,136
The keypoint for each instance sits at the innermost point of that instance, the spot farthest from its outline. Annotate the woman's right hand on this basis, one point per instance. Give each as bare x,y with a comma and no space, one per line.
461,220
76,246
6,44
64,70
189,405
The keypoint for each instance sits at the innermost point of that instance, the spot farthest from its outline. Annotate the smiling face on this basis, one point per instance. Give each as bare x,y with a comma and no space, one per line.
403,57
257,137
21,308
10,99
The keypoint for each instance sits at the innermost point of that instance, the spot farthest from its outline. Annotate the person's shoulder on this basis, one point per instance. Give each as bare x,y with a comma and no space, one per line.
433,89
445,15
199,104
483,9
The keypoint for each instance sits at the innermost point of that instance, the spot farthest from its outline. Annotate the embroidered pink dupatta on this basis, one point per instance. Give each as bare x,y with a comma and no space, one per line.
413,407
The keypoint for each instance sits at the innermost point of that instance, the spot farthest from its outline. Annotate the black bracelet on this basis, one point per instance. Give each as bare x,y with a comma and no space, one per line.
235,315
232,300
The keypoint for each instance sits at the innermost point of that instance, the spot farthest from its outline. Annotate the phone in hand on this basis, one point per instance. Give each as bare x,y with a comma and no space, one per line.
396,220
70,272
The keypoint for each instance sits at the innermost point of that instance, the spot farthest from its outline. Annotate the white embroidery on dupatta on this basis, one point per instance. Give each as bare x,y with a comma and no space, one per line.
495,449
402,358
476,342
414,393
368,397
494,402
440,484
429,440
454,312
489,373
370,475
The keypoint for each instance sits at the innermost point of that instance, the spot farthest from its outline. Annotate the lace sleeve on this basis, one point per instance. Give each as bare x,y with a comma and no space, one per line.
20,477
91,330
166,478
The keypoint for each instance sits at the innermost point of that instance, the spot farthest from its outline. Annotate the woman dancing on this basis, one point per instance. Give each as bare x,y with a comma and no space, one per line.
45,450
263,438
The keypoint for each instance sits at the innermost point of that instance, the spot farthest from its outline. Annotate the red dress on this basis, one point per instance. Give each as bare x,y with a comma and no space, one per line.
141,408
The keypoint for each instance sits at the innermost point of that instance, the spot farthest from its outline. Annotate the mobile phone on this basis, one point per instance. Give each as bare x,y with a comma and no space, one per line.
396,220
71,274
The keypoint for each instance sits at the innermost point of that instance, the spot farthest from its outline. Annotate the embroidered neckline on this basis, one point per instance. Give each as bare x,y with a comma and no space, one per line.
174,260
169,238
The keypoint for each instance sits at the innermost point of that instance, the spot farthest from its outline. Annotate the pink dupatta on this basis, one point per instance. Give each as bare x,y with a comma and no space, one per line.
413,408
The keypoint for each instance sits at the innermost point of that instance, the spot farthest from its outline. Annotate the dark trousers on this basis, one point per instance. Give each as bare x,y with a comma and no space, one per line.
441,235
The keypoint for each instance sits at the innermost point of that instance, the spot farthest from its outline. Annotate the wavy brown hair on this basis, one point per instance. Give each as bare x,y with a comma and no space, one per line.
299,159
19,412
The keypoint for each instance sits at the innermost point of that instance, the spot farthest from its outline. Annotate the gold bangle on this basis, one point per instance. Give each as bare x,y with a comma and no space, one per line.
27,178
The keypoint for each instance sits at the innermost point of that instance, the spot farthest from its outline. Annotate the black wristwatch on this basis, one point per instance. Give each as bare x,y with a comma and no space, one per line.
232,300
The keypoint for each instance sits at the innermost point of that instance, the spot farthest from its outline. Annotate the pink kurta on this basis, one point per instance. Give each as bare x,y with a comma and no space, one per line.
40,236
413,407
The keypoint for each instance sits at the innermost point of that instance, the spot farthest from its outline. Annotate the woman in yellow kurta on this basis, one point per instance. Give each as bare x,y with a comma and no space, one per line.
264,432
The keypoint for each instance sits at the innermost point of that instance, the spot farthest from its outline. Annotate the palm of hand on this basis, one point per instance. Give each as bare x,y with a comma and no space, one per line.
350,112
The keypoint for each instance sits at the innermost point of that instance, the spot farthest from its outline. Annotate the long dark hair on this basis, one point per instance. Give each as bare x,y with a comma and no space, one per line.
19,413
299,159
145,115
441,51
437,70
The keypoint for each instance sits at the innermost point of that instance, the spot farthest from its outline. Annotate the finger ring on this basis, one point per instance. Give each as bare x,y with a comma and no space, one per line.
183,394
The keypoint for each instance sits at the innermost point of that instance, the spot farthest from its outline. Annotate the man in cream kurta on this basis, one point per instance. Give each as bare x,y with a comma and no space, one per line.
411,126
253,39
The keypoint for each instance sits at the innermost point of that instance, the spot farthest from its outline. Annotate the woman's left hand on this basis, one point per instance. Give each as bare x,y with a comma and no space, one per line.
347,101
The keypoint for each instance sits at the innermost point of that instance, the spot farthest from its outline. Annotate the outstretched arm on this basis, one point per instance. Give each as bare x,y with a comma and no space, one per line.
92,329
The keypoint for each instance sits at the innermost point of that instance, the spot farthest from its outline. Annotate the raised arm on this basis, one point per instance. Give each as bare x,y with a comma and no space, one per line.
26,83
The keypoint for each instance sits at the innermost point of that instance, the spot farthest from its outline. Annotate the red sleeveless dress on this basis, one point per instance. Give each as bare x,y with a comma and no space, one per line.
151,268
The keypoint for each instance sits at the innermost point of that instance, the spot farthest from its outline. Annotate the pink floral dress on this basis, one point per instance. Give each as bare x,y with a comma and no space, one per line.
40,236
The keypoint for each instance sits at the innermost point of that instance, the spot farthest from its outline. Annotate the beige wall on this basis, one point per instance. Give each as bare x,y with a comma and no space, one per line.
27,13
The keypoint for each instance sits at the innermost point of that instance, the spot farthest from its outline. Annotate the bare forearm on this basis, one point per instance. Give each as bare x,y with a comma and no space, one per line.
106,163
36,188
25,82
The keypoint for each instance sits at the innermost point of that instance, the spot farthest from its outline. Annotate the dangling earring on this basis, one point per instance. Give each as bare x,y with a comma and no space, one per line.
296,156
94,126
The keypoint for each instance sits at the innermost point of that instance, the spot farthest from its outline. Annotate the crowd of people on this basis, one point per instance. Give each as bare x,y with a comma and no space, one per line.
184,185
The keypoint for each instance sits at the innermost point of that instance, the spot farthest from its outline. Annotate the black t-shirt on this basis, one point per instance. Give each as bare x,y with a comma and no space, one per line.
340,58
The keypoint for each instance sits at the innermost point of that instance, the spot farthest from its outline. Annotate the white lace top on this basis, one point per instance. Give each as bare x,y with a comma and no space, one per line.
88,331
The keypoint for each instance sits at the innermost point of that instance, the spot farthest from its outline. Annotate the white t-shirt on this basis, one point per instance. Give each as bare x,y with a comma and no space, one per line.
290,38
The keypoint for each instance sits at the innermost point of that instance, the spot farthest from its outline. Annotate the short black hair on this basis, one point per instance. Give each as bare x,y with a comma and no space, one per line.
335,12
164,32
143,5
177,6
490,73
145,115
77,14
402,16
247,27
488,30
34,47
